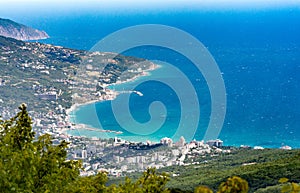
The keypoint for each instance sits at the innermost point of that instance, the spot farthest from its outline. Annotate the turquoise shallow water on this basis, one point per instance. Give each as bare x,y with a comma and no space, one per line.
252,117
257,52
103,115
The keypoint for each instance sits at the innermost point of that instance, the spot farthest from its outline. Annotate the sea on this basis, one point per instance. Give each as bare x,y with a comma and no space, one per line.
257,53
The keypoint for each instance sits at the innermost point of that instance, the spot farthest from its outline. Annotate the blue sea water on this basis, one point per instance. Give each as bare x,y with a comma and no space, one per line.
258,53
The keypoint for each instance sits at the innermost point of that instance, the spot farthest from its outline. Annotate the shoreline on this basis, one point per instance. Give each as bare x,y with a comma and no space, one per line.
70,114
113,94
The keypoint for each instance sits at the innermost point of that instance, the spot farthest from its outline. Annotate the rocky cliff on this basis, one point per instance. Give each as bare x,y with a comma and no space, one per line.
18,31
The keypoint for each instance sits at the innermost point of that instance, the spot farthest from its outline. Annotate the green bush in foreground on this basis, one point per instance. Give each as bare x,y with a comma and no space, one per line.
203,189
36,165
29,165
232,185
289,187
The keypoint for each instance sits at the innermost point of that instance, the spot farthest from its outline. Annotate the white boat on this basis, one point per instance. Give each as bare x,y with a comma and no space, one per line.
138,93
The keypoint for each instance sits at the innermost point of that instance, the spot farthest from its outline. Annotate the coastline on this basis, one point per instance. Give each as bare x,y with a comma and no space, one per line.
89,128
112,94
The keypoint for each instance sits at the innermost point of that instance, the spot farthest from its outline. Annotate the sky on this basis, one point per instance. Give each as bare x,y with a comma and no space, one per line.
28,10
108,5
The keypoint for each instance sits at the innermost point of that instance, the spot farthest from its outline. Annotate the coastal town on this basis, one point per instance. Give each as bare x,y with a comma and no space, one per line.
53,81
85,84
119,157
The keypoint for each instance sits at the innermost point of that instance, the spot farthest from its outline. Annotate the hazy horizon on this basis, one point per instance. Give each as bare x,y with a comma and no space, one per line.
46,7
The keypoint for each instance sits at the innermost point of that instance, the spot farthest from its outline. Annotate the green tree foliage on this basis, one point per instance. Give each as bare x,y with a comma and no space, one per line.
268,166
92,184
29,165
203,189
151,182
36,165
234,184
289,187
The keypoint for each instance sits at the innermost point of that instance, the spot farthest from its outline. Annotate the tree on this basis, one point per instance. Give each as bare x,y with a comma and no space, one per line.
32,165
151,182
289,187
234,184
36,165
203,189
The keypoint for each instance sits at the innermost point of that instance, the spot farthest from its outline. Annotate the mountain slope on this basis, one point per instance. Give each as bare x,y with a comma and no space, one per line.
18,31
31,69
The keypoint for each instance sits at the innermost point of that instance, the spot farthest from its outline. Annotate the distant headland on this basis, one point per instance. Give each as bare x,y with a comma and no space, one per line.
9,28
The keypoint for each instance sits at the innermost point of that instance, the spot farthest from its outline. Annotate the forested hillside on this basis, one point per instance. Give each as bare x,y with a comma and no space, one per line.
30,164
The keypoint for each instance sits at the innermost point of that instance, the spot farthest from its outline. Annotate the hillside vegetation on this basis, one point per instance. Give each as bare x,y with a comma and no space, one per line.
29,164
261,168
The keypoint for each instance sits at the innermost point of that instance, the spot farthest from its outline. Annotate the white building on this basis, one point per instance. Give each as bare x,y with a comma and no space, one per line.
84,154
181,142
167,141
216,143
286,147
